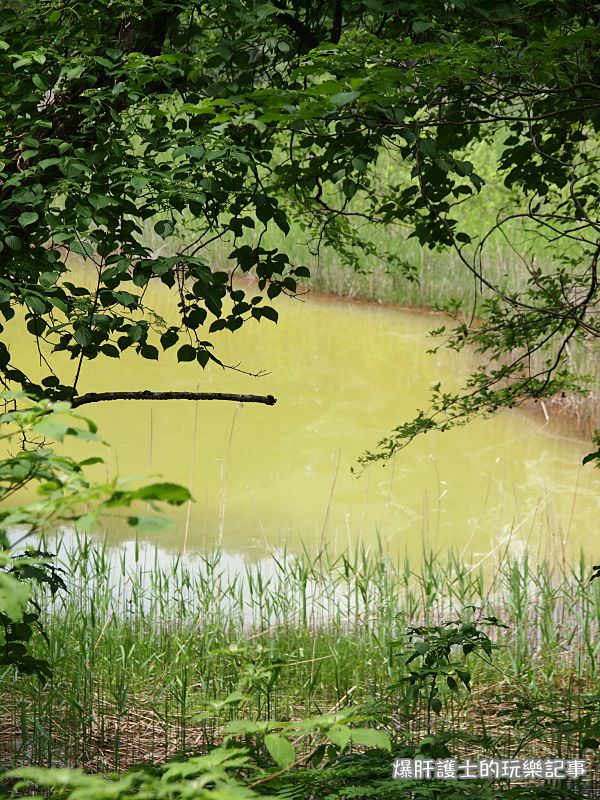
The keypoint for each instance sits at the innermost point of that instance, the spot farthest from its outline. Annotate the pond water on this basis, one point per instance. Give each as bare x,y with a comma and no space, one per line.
344,374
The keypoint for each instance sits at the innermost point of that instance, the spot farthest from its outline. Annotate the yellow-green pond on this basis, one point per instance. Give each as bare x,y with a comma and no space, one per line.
344,374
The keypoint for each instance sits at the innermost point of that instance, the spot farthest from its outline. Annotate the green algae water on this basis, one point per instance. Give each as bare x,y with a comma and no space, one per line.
344,374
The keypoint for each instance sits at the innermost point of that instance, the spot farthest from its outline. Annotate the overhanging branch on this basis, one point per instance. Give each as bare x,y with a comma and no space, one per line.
100,397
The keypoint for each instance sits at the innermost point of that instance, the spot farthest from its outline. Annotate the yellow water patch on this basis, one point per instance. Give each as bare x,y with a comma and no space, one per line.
344,375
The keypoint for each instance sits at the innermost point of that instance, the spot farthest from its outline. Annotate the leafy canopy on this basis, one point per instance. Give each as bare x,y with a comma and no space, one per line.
190,122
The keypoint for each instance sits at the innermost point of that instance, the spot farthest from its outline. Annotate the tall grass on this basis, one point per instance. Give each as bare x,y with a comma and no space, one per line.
145,647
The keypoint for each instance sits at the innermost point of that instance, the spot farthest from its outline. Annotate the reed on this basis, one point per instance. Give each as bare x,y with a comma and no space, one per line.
152,653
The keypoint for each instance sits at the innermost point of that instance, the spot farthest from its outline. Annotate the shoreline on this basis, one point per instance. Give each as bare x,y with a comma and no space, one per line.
573,415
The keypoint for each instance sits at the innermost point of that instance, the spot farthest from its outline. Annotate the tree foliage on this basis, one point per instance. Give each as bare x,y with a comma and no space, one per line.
63,496
200,121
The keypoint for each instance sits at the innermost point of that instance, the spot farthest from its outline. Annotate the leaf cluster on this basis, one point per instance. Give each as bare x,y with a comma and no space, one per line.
64,495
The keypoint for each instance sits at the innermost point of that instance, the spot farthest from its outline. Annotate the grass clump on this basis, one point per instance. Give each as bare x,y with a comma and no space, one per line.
153,656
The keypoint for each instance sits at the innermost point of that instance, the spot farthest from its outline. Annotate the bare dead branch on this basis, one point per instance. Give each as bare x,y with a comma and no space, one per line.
100,397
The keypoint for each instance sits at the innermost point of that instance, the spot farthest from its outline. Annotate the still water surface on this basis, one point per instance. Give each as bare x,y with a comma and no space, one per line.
344,374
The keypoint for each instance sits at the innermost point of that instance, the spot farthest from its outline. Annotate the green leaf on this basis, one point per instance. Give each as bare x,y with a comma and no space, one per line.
269,313
36,304
83,335
349,187
36,326
53,427
149,351
264,210
591,457
339,735
245,726
48,162
343,98
186,353
421,25
163,228
13,242
110,350
171,493
28,218
436,705
371,737
280,220
168,339
280,750
135,333
14,597
48,279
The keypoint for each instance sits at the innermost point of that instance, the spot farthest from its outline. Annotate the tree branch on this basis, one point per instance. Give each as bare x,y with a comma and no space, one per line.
336,28
308,39
100,397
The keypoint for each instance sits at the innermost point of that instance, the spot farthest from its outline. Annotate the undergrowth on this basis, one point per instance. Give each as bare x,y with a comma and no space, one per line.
153,657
